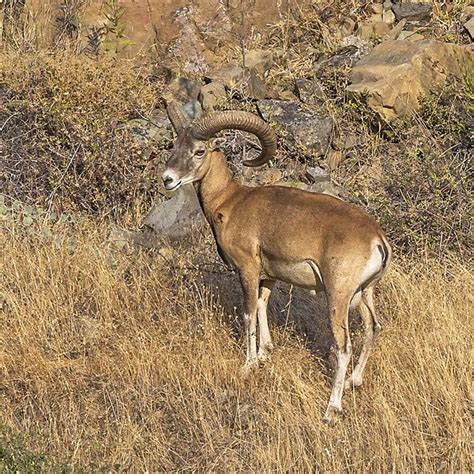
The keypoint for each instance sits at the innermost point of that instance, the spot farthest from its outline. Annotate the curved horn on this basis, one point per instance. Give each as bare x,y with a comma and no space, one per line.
176,116
209,126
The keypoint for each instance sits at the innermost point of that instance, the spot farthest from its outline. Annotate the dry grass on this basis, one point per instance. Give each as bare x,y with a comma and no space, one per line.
126,362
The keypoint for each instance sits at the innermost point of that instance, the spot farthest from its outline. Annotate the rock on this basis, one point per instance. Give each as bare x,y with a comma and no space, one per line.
184,90
192,110
177,216
469,27
347,56
149,132
211,95
303,126
412,11
259,59
395,74
347,27
316,174
388,17
256,87
350,141
230,75
393,34
246,81
377,8
365,31
328,187
410,36
380,28
309,91
375,18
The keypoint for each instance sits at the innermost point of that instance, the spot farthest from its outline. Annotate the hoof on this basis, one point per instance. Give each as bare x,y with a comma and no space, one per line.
353,383
331,415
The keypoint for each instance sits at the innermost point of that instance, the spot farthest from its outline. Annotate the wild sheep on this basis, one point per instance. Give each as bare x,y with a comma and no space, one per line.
271,233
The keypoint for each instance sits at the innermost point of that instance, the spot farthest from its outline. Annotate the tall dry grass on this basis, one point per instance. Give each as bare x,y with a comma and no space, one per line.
131,362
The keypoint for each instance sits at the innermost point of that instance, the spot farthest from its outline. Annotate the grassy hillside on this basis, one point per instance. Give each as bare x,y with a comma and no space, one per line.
111,360
129,359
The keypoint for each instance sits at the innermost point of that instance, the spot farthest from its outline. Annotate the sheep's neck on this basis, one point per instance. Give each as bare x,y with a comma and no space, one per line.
216,187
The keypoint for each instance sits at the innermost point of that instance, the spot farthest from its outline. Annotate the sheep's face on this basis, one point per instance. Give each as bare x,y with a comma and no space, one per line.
189,161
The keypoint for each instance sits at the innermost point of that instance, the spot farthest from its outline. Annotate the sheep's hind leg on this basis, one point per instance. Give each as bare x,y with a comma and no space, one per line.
339,316
372,328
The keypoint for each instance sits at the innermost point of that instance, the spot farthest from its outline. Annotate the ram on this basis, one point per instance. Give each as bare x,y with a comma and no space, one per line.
270,233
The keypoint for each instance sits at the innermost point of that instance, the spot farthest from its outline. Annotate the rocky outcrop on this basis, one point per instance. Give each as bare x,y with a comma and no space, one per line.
302,126
176,217
393,76
412,11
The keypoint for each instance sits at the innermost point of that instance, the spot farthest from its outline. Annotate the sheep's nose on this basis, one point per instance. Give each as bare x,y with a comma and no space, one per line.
167,180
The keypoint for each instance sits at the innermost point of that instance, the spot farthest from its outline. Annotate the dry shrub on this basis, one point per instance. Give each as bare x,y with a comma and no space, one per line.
63,138
425,196
131,363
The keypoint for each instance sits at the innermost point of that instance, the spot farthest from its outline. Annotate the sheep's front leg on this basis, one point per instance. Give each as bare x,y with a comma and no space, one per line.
250,286
265,343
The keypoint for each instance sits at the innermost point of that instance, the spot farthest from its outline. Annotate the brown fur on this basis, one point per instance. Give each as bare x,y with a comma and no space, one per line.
279,233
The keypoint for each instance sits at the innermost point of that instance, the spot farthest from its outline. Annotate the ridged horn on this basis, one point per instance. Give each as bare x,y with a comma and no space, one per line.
176,116
240,120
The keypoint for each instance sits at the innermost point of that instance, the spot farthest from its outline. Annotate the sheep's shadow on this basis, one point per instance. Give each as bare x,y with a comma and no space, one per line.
289,307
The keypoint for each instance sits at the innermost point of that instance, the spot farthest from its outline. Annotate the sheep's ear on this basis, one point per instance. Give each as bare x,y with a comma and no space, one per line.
216,143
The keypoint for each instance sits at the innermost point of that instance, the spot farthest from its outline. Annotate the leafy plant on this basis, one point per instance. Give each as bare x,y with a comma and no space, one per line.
115,27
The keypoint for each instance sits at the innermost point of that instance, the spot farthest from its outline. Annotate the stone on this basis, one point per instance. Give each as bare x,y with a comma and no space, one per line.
192,110
375,18
175,217
469,27
247,81
396,30
184,90
365,31
147,133
395,74
304,127
256,87
348,55
309,91
388,17
412,11
211,95
259,59
328,187
230,75
377,8
410,36
380,28
347,26
316,174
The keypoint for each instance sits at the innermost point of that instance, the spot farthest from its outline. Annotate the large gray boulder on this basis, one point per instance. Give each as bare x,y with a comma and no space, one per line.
301,125
177,216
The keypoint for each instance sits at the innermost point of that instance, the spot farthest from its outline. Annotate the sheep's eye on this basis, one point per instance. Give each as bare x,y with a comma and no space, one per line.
199,153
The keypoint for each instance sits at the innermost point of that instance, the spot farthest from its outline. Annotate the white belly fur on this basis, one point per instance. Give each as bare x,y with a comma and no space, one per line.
305,274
